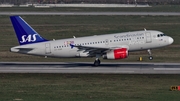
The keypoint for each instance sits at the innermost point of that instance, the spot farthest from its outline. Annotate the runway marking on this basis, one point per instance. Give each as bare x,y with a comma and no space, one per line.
166,68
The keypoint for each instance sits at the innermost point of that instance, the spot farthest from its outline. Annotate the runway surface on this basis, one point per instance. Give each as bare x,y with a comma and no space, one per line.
87,67
93,13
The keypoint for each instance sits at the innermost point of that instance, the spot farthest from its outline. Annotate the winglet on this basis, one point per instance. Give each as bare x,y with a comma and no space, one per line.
24,32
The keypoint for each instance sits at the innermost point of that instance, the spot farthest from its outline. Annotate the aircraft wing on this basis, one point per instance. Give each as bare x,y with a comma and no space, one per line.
95,50
92,50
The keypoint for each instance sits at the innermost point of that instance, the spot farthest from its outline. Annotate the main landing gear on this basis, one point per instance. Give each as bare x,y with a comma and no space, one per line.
150,55
97,62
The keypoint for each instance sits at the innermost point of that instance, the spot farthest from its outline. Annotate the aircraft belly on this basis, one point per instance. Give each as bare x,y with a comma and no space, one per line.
65,53
39,52
139,47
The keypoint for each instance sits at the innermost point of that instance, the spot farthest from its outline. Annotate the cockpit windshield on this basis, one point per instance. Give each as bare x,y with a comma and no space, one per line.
161,35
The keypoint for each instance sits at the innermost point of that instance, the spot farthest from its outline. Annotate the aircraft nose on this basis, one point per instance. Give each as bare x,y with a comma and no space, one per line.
171,40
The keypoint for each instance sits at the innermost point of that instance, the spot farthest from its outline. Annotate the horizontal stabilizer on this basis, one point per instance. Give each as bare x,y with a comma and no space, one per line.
21,49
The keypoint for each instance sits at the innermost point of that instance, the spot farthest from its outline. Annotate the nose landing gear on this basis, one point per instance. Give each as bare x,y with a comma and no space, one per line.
150,55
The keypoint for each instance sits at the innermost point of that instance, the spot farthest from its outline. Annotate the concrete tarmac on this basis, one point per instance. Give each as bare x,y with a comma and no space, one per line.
87,67
93,13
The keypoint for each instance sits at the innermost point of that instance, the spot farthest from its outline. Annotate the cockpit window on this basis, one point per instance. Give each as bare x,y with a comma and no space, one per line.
161,35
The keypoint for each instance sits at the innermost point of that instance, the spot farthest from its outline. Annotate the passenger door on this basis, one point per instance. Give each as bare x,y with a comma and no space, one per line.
148,37
47,48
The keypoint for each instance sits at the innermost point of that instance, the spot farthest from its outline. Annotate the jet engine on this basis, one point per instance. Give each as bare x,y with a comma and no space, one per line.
116,54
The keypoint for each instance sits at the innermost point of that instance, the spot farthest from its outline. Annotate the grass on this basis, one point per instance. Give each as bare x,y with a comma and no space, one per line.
154,8
88,87
58,27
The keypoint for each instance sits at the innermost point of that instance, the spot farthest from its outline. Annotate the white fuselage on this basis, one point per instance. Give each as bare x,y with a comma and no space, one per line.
133,41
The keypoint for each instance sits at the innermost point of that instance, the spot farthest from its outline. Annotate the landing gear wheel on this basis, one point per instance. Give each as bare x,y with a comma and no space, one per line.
150,58
97,62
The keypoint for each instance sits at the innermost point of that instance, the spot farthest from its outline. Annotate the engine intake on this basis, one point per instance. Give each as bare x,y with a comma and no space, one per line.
116,54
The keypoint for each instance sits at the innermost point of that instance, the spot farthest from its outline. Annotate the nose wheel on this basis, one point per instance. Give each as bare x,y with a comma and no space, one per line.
150,58
150,55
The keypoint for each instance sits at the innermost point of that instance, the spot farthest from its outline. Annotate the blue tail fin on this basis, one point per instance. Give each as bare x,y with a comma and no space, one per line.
24,32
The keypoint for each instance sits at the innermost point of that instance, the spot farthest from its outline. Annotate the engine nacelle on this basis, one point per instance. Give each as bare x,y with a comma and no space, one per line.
116,54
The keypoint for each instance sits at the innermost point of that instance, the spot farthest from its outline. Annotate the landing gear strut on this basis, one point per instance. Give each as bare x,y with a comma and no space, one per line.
150,55
97,62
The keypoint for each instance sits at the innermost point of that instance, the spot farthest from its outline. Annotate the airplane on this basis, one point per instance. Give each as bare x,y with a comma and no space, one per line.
108,46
